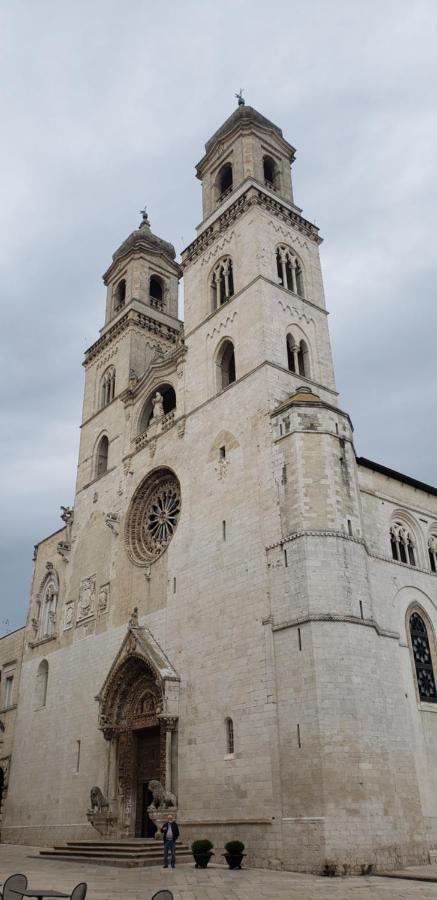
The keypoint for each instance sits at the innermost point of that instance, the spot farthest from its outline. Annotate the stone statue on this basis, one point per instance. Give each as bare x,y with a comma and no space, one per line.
133,618
97,799
161,797
158,406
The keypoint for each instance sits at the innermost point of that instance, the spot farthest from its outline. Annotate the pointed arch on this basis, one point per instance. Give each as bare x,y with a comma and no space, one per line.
47,603
290,270
107,387
421,640
298,354
403,534
225,364
41,684
101,456
221,281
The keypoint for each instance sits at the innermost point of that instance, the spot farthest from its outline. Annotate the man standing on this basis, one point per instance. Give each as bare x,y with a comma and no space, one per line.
170,831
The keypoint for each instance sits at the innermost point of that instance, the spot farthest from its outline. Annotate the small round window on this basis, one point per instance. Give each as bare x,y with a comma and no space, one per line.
153,516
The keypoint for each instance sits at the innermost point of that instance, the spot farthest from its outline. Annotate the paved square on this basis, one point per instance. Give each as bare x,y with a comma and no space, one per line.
216,883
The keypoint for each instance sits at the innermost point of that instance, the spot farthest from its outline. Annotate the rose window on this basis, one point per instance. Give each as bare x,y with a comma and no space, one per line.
153,516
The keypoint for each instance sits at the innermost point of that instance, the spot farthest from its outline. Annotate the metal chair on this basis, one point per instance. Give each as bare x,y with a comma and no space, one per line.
79,892
162,895
13,887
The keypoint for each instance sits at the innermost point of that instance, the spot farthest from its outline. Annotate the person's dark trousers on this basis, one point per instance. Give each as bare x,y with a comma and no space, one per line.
169,846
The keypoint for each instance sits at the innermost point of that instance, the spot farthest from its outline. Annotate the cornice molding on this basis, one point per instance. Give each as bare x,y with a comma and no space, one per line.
334,617
252,197
132,318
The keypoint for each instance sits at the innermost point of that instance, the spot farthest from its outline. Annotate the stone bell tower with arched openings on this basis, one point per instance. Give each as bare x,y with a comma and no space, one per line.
243,611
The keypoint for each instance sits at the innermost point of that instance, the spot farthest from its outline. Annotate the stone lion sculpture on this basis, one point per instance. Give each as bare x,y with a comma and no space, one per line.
97,799
161,797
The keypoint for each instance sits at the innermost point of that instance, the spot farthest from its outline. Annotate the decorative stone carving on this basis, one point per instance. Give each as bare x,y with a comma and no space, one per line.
163,803
87,597
111,520
103,600
49,566
99,815
97,800
153,516
68,615
161,797
63,548
181,427
158,406
133,618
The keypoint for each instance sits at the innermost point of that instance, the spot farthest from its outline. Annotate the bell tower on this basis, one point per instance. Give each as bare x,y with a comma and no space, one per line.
252,276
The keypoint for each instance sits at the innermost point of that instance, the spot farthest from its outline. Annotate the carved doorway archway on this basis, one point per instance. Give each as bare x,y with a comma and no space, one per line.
129,717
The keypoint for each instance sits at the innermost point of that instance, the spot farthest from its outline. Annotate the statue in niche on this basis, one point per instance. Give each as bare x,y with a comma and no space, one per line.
158,406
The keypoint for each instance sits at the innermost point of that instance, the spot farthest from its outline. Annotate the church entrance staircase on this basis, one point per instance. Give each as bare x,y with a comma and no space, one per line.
129,853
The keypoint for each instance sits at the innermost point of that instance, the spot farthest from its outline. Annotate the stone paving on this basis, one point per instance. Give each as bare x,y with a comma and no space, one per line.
214,883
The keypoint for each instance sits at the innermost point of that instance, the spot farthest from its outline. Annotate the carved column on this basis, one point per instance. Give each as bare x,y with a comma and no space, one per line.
293,278
168,725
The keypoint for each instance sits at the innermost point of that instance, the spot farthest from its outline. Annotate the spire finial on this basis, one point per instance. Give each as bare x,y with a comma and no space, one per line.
240,98
145,218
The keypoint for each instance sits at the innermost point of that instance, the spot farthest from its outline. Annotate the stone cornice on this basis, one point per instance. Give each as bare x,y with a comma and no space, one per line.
252,197
130,319
334,617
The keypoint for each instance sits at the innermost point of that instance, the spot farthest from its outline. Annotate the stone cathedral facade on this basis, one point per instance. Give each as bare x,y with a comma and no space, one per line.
236,606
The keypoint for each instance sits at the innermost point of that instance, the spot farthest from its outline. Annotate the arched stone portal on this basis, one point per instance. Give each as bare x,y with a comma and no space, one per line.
138,713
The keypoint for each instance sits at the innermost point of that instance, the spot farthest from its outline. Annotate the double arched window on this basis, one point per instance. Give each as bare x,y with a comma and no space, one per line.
41,684
159,404
102,451
107,387
289,270
403,545
222,282
120,295
225,362
271,173
298,356
423,657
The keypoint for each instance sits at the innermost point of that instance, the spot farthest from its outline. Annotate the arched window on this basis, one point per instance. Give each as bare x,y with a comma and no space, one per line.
422,659
222,282
48,609
226,365
432,552
289,270
107,387
120,295
156,292
298,356
229,735
102,456
402,544
271,174
160,403
41,684
224,181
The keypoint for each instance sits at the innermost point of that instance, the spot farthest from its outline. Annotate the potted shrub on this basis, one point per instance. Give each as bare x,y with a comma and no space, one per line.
202,852
234,854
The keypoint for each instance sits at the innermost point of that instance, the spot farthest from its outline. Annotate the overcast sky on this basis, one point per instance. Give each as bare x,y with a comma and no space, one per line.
107,104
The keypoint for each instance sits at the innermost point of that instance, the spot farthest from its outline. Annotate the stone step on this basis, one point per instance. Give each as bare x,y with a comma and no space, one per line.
120,863
55,851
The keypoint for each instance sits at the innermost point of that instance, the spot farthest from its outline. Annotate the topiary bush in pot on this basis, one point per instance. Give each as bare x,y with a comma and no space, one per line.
234,854
202,851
